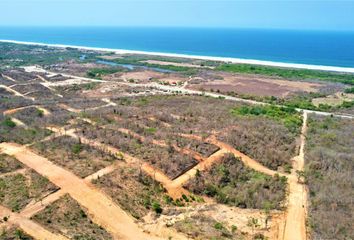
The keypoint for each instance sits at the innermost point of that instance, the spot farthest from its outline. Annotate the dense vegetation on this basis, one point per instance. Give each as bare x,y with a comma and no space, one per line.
19,55
349,90
288,116
98,73
302,74
230,182
329,175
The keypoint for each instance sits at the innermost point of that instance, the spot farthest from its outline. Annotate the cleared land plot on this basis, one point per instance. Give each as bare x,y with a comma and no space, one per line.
253,85
17,190
20,75
13,233
269,138
205,227
9,164
5,93
134,191
168,160
32,88
65,216
69,153
230,182
29,115
329,168
17,134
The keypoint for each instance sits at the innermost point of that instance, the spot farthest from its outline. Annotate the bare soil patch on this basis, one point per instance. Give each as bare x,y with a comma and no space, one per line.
254,85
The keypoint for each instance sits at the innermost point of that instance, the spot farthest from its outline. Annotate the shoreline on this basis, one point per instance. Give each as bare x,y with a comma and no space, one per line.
207,58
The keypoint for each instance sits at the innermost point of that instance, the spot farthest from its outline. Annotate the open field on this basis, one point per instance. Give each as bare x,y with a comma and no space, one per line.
137,150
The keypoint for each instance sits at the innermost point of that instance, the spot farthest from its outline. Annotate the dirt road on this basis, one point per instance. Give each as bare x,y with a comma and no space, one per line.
295,223
101,208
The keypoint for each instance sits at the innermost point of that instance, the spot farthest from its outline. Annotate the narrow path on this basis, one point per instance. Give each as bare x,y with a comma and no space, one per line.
202,166
102,209
243,157
19,123
19,171
34,207
8,78
16,93
14,110
295,223
29,226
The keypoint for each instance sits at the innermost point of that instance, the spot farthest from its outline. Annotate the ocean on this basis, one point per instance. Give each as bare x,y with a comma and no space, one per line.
329,48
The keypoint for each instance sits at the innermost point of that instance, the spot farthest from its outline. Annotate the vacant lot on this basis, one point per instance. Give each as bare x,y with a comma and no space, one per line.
329,175
167,159
9,164
13,233
17,190
69,153
230,182
255,85
204,227
67,217
134,191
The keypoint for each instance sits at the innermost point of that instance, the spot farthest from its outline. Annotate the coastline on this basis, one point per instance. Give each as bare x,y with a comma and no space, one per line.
207,58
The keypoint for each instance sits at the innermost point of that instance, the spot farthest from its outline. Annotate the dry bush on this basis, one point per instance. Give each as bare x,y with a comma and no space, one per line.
16,191
81,159
134,191
9,164
65,216
231,182
329,175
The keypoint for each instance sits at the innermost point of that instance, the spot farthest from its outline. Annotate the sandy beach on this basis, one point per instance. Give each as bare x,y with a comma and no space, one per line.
208,58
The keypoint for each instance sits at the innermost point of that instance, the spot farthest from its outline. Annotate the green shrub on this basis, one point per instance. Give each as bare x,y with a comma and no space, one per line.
9,123
157,207
349,90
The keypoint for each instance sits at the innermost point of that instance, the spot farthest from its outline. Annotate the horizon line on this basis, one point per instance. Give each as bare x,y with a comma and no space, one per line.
187,27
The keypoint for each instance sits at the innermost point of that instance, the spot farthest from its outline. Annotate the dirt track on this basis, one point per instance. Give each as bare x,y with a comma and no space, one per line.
295,223
101,208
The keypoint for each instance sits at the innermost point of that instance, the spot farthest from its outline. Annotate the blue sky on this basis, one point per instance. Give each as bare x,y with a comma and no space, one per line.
285,14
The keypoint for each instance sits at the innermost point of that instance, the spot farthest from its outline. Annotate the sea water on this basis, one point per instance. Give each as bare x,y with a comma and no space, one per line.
329,48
